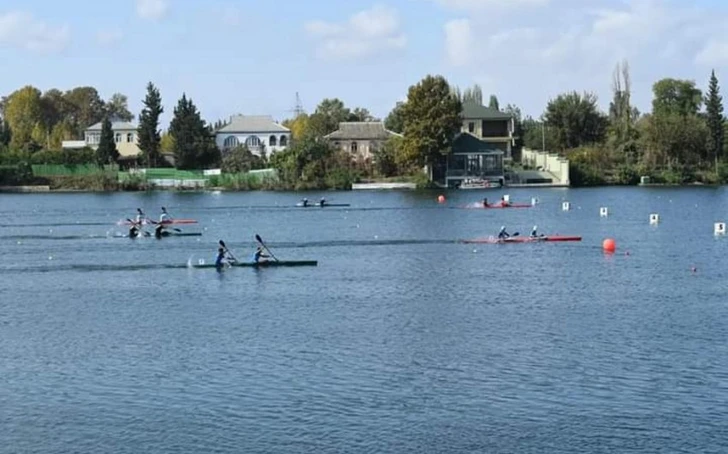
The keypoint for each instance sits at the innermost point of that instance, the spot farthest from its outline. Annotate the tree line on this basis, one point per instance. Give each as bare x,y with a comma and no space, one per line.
680,140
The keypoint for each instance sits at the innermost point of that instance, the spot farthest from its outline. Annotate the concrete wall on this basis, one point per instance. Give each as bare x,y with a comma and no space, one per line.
551,162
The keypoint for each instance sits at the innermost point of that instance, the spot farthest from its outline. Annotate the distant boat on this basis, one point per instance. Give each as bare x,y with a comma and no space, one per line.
479,183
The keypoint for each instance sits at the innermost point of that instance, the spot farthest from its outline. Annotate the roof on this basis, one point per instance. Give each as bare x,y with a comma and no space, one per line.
475,110
252,124
362,130
115,126
466,143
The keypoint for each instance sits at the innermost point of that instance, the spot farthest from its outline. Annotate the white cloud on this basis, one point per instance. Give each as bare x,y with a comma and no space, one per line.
109,37
22,30
152,9
364,34
540,52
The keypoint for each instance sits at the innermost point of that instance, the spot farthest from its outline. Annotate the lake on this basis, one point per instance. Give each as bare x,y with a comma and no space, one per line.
400,340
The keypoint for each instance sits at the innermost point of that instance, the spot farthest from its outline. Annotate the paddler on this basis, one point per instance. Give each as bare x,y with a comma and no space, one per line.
504,202
259,254
503,234
304,202
160,230
322,202
164,216
140,216
133,231
534,232
485,202
220,260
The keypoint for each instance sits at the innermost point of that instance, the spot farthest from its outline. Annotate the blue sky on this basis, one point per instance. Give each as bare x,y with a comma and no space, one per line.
252,57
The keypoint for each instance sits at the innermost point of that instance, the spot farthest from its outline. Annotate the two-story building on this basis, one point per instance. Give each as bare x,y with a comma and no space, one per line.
125,136
360,138
259,133
479,152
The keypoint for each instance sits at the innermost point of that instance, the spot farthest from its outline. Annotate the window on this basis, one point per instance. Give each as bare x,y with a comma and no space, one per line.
471,127
272,141
284,141
253,141
354,147
230,142
117,137
129,137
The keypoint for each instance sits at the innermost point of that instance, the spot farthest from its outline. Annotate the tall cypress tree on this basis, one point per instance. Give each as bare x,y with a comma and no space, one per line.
148,130
194,144
106,153
715,119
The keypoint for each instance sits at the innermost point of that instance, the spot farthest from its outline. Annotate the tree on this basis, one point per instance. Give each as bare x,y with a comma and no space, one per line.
331,112
394,121
117,107
386,157
576,120
623,133
493,103
714,119
674,141
23,111
148,129
194,143
431,120
298,126
518,131
240,160
360,114
166,143
5,134
86,107
473,94
674,96
106,153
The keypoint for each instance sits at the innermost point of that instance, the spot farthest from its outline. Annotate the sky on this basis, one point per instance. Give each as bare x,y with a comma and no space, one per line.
252,57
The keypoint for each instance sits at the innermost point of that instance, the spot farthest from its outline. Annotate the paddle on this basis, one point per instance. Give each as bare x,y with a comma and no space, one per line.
260,240
139,227
222,243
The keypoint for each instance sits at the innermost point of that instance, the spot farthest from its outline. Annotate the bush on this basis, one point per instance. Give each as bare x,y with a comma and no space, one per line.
582,175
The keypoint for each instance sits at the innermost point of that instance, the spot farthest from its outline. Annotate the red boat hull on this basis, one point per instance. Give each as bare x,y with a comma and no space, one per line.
524,239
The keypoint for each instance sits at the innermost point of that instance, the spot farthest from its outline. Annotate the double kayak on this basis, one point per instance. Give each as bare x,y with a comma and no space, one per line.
524,239
311,205
167,222
498,205
265,264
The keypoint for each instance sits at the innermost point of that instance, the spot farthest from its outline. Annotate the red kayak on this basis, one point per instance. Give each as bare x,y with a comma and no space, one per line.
521,239
498,205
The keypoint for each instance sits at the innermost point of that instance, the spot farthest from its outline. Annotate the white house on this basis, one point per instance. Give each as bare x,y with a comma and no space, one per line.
257,132
125,136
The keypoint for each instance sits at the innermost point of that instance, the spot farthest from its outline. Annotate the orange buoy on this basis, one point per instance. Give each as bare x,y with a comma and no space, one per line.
441,199
609,245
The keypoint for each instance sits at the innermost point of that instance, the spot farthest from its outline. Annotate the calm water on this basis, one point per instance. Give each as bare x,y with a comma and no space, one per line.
401,340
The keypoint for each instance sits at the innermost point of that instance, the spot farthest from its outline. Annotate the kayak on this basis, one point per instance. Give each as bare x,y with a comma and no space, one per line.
498,205
524,239
310,205
266,264
168,233
168,222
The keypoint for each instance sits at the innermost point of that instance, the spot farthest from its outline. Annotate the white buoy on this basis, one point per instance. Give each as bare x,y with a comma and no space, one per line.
534,201
603,212
654,219
507,198
566,206
201,261
719,228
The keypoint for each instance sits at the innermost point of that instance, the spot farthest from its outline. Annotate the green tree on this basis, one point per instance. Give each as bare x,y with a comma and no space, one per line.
331,112
715,119
674,96
61,131
86,107
473,94
148,129
166,143
360,114
394,121
386,157
241,159
431,121
194,143
24,112
576,120
118,107
493,103
518,131
673,141
623,133
106,153
5,134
